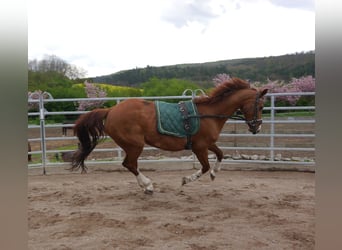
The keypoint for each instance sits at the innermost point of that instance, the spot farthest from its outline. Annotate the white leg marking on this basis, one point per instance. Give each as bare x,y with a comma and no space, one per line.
192,177
215,169
217,166
145,183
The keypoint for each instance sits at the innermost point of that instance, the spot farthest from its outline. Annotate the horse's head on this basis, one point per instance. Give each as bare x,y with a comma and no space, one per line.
252,110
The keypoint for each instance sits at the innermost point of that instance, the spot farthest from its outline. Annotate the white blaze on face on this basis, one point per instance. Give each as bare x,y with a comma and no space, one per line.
259,128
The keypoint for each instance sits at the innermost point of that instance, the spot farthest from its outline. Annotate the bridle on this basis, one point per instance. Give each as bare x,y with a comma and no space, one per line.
253,124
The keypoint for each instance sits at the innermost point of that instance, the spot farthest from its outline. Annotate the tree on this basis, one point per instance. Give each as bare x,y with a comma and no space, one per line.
52,63
74,72
166,87
303,84
221,78
92,91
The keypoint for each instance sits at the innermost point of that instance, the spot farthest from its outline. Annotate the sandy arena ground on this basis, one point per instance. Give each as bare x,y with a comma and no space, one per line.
106,209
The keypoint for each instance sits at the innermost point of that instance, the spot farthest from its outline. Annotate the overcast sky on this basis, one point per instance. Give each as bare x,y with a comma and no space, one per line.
106,36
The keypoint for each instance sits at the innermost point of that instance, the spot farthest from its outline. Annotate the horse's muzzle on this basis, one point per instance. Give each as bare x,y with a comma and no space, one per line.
255,131
254,126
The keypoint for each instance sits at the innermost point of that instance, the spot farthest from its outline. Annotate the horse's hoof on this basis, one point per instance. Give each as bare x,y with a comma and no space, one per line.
212,177
150,192
184,181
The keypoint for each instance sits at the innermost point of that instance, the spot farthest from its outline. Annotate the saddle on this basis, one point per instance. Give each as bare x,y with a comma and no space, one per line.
177,119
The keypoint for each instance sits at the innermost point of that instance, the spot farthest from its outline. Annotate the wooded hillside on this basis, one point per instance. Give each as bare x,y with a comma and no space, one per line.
283,67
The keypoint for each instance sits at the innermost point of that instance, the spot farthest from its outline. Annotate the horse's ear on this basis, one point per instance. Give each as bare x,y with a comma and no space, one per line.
263,92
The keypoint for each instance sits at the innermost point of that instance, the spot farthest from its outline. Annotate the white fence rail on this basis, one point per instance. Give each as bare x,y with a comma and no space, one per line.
259,148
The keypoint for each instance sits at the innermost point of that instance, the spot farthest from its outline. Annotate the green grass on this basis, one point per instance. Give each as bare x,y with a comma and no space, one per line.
296,114
292,114
68,147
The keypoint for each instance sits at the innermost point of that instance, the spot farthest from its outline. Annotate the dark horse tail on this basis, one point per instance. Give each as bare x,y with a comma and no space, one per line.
89,128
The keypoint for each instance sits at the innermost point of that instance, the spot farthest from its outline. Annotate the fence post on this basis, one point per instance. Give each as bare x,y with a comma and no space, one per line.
272,127
42,127
42,131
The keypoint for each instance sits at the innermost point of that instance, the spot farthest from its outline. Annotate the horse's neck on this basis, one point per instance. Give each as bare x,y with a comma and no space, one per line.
227,106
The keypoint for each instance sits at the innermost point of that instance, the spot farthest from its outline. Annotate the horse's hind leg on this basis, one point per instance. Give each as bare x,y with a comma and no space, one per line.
202,156
131,163
219,157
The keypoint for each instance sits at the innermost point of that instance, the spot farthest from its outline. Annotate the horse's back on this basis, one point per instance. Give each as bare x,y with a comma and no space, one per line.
131,114
133,108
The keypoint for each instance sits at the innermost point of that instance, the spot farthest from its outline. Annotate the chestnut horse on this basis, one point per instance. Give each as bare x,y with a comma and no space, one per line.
132,124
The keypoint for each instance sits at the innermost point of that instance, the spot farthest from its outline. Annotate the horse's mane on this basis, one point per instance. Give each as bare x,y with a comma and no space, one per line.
223,90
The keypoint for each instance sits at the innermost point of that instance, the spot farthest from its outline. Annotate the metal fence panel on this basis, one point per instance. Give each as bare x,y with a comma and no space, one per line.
270,120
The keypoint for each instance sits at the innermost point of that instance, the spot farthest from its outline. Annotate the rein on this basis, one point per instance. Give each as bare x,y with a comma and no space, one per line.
235,117
251,123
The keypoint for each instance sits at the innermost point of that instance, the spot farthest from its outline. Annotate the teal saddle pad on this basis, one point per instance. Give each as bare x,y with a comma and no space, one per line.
170,120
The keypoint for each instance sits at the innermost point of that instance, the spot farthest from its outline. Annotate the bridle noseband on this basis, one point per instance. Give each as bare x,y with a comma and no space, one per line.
255,122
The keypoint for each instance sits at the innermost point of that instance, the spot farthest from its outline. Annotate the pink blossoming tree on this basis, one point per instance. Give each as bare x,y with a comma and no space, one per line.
303,84
220,78
92,91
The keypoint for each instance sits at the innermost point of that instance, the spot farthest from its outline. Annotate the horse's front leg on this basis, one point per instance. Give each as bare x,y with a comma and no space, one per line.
219,157
202,156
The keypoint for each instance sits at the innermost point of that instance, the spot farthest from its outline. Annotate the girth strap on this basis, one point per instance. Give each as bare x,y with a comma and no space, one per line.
187,125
